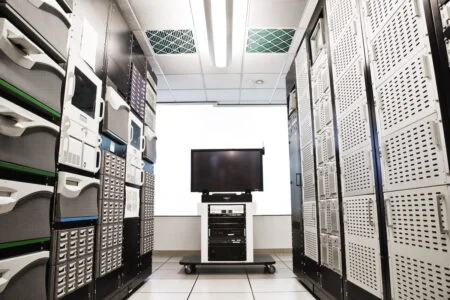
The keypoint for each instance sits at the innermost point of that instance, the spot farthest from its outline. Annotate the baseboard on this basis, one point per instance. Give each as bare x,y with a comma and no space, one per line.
194,252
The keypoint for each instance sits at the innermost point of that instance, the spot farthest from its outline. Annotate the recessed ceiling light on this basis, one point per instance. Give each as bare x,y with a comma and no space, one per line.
259,81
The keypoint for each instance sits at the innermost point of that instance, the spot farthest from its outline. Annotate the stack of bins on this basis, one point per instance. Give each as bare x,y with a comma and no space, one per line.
30,117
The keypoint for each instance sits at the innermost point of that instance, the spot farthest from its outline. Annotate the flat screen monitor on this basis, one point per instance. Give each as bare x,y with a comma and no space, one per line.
227,170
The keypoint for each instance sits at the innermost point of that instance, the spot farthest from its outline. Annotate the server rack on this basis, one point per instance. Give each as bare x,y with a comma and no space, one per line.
388,76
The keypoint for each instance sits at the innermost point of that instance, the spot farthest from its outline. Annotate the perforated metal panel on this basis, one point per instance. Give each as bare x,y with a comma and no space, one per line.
307,158
347,49
310,233
419,218
321,177
333,216
324,249
410,94
339,14
350,88
415,156
362,244
323,113
354,129
305,131
323,216
414,278
407,31
377,12
357,173
334,253
309,186
330,180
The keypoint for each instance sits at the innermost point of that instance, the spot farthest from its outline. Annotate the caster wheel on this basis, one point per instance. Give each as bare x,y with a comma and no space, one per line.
189,269
270,269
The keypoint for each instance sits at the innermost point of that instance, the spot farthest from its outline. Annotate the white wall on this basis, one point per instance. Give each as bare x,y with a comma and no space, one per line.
181,128
182,233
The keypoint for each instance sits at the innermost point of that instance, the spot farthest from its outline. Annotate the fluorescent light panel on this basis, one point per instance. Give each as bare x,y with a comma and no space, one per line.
219,32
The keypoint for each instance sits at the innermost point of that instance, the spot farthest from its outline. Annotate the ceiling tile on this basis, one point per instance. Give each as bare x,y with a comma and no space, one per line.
269,40
279,95
165,96
189,95
179,64
256,94
223,95
167,14
275,13
172,41
261,63
185,82
270,80
222,81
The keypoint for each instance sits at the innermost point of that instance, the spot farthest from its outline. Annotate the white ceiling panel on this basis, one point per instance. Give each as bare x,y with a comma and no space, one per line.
165,96
223,95
279,95
275,13
179,64
256,94
289,60
223,81
261,63
270,80
185,82
189,95
167,14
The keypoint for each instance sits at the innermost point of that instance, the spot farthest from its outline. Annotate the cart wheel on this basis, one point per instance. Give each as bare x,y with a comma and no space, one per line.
189,269
270,269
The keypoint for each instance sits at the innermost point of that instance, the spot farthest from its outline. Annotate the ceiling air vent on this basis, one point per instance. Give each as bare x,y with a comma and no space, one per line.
269,40
172,41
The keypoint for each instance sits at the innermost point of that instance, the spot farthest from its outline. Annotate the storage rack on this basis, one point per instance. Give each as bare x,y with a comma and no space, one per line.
63,235
388,74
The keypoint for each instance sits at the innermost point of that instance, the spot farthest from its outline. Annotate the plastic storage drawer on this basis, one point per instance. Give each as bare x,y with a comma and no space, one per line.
45,21
26,139
25,215
25,67
24,277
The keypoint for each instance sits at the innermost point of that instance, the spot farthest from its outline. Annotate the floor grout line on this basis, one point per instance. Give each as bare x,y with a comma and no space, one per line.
251,288
198,275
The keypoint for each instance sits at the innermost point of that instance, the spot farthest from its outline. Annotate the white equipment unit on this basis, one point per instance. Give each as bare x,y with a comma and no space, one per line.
213,211
136,144
83,111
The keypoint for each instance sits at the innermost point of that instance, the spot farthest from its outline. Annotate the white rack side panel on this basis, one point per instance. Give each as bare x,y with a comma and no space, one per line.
419,242
357,173
362,248
309,186
415,156
340,12
310,230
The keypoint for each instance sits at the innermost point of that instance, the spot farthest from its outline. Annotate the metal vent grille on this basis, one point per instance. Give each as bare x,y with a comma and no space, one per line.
334,254
362,266
414,218
340,13
417,279
408,95
323,216
333,214
309,186
350,88
357,175
414,156
311,247
309,215
320,77
269,40
330,180
354,130
321,182
347,50
405,31
305,131
304,104
360,216
172,41
324,249
307,158
377,13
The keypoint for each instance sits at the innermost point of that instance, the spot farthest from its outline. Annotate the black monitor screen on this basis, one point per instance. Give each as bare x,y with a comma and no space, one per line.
85,95
226,170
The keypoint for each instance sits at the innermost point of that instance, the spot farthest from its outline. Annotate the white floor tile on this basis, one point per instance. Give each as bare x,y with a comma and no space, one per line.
175,259
276,285
171,266
284,296
167,286
221,296
280,273
172,274
159,296
222,286
222,276
160,258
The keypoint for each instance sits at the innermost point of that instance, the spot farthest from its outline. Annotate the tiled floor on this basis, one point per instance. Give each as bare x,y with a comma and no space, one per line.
169,282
